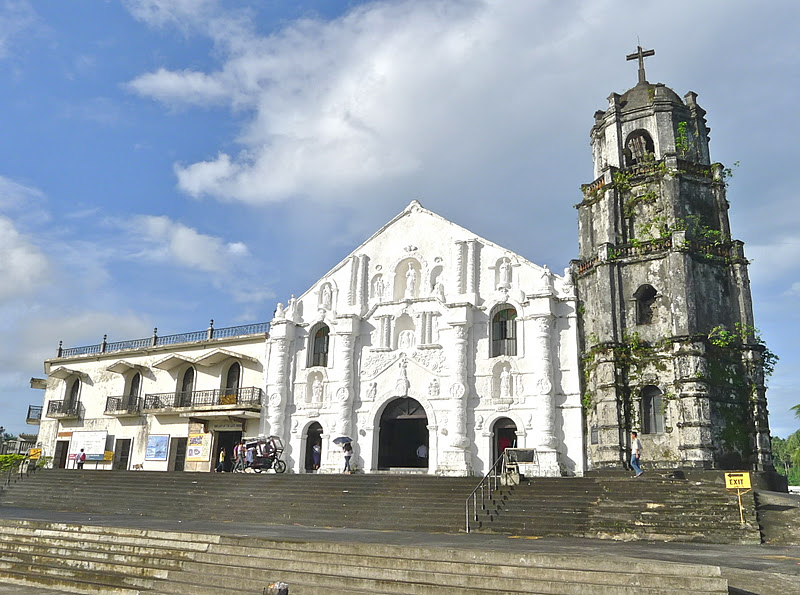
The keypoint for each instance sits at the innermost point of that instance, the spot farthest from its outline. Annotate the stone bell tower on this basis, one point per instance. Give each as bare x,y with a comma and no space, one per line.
668,344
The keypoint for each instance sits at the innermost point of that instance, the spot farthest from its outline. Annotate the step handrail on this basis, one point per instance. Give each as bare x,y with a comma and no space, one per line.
489,484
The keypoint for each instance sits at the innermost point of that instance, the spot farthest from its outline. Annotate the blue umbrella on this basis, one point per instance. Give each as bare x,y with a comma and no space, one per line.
342,440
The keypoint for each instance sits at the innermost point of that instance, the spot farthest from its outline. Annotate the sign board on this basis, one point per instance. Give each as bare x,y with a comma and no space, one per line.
198,447
34,453
157,447
740,481
92,443
108,455
521,455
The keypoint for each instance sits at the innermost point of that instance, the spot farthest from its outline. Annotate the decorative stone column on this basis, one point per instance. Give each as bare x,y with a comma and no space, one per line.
273,415
346,329
455,458
545,421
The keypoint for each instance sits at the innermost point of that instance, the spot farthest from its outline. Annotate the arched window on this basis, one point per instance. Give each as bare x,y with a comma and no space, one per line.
136,382
232,379
645,298
74,393
639,148
319,346
652,410
186,387
504,332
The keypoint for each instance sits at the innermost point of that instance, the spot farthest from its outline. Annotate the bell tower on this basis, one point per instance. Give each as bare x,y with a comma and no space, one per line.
668,343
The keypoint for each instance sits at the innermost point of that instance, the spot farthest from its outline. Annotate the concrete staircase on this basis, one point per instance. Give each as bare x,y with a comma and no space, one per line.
93,559
617,507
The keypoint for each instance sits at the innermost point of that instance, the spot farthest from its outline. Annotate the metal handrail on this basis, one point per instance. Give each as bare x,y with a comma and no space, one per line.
17,471
489,483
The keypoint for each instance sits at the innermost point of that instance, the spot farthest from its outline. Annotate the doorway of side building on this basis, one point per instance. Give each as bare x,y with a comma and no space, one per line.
61,454
313,438
403,431
122,454
177,454
505,436
226,441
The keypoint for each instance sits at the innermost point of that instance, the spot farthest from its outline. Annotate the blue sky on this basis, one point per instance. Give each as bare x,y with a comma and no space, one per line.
163,162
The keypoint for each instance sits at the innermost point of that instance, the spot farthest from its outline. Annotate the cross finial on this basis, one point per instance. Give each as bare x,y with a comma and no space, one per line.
641,55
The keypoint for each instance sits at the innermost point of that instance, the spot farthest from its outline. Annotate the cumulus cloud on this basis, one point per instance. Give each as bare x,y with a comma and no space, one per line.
385,91
174,243
23,266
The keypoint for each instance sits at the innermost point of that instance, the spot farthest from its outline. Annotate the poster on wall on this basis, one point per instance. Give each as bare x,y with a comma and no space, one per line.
198,447
92,443
157,447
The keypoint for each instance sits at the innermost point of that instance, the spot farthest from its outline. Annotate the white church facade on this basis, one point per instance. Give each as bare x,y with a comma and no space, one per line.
424,336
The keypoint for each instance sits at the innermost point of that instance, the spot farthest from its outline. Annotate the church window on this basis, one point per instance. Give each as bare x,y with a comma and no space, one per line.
504,332
652,410
638,148
74,393
645,298
319,346
232,379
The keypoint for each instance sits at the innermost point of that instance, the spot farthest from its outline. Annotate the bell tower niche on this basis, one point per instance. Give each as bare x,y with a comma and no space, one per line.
668,344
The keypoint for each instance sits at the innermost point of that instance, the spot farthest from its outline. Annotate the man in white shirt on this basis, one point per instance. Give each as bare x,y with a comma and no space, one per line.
636,453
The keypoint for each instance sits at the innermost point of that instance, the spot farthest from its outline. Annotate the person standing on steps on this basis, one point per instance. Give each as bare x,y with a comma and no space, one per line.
348,452
636,453
80,459
238,455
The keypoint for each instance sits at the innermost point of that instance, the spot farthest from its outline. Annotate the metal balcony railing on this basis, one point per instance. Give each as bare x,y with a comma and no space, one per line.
123,405
65,409
34,414
250,397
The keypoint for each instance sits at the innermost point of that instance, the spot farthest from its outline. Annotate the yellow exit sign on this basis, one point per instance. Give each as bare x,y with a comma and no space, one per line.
739,481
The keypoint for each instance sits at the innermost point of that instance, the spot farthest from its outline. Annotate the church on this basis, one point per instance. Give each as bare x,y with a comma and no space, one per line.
431,349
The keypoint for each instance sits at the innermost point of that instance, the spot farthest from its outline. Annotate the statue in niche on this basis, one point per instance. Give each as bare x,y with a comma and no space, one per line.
377,288
504,277
326,297
316,391
279,313
505,383
411,281
478,422
433,389
372,391
291,307
402,385
405,340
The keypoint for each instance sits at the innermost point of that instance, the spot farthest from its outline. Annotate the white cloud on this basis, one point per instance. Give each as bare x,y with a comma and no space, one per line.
173,243
16,18
23,266
14,195
180,87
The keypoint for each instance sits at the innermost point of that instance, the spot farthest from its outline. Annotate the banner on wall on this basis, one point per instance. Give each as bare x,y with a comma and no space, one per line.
157,447
92,443
198,448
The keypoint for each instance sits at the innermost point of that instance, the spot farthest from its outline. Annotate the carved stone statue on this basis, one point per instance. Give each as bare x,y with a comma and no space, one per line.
505,384
316,391
433,389
504,278
411,281
405,340
377,288
279,313
326,297
372,391
402,385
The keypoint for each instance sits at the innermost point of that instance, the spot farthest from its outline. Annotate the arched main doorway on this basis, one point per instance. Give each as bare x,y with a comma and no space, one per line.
505,436
403,429
313,438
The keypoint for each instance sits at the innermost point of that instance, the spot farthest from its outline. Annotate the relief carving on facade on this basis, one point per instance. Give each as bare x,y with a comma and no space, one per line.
430,359
376,362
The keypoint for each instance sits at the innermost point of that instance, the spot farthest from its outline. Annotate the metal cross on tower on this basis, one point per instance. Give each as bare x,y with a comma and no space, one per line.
641,55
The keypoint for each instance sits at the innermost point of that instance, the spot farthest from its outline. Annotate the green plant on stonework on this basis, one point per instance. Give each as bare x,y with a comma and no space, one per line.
621,181
10,461
630,204
682,144
587,400
726,173
721,337
581,308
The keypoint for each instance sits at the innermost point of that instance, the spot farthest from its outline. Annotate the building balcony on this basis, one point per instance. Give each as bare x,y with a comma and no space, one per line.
65,410
34,414
123,406
223,400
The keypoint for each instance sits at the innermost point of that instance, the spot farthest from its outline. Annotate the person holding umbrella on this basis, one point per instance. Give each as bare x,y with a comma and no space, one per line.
347,449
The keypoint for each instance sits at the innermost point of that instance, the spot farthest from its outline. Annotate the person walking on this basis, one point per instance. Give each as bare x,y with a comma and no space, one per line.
316,456
221,465
636,453
238,455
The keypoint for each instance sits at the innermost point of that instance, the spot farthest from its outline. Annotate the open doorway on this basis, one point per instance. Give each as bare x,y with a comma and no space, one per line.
226,441
403,435
505,436
313,438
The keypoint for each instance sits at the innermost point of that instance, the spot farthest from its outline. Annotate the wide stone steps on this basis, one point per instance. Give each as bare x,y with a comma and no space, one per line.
93,559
